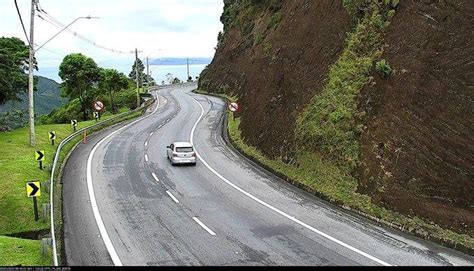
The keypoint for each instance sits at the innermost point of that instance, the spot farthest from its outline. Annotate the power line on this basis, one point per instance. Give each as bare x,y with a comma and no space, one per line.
49,50
22,24
53,21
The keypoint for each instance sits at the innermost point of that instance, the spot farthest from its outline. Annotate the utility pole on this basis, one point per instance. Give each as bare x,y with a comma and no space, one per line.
137,78
31,103
187,64
147,73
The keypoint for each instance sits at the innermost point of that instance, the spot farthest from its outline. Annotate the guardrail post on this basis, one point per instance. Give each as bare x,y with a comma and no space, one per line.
46,244
46,207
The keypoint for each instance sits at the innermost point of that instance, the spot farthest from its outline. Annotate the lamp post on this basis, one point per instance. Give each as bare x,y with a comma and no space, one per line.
31,104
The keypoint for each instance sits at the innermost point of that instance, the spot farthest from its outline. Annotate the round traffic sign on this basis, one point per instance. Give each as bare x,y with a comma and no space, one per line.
234,107
98,106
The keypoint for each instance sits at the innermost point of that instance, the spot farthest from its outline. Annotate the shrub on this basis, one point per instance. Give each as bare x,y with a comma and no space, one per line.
383,68
274,20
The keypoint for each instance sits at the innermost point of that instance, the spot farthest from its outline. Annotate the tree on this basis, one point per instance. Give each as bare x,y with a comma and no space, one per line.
176,81
141,74
150,80
169,78
111,82
80,74
14,62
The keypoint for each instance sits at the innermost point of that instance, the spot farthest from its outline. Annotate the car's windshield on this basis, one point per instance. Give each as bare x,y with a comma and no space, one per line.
184,149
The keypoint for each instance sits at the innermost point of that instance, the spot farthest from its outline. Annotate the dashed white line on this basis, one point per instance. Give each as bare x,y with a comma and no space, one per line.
155,177
146,144
146,157
151,134
276,210
204,226
172,197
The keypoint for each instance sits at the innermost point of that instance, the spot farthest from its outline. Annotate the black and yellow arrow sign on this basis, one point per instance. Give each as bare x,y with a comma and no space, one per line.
96,115
74,123
52,135
33,189
39,156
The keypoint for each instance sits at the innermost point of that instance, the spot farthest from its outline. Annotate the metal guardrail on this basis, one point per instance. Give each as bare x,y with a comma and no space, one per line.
56,160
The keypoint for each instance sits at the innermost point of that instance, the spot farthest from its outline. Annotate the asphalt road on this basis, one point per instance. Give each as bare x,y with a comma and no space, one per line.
124,204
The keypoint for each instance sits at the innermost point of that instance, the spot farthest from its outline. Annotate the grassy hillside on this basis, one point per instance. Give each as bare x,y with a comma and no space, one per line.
47,97
17,166
15,251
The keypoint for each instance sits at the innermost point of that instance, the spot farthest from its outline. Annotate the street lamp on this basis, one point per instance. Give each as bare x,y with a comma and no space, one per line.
62,30
148,72
31,110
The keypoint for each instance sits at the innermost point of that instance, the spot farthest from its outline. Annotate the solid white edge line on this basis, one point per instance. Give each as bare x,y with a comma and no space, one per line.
95,209
155,177
146,157
273,208
204,226
172,197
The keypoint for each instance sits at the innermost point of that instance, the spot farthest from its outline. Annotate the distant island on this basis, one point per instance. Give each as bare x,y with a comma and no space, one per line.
180,61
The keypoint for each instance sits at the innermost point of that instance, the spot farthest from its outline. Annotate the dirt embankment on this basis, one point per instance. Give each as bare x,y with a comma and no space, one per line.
418,150
276,78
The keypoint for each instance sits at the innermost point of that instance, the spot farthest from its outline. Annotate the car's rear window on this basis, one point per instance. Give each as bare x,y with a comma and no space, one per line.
184,149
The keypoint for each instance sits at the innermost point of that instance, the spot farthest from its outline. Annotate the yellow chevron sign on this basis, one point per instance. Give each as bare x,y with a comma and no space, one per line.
33,189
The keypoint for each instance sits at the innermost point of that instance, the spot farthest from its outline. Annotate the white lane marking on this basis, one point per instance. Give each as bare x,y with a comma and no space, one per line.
146,157
146,144
95,209
292,218
151,134
160,126
155,177
168,120
204,226
172,197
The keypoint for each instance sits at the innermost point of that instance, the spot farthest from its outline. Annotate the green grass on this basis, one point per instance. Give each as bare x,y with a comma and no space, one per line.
17,166
339,187
329,128
336,185
328,123
14,251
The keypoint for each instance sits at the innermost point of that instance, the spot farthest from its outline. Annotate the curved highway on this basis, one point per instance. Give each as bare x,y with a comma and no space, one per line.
124,204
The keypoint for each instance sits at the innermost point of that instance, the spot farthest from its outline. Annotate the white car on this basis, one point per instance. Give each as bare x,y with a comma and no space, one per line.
181,153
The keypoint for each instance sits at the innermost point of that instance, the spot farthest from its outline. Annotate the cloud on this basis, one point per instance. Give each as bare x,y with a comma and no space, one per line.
181,28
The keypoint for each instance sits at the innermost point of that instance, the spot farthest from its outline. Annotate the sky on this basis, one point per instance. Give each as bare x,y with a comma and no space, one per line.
158,28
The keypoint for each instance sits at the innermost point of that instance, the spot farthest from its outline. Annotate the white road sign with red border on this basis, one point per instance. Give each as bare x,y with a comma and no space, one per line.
234,107
98,106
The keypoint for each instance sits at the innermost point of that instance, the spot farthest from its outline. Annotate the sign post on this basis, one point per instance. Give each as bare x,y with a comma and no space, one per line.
234,107
52,137
39,157
98,107
96,116
74,124
33,190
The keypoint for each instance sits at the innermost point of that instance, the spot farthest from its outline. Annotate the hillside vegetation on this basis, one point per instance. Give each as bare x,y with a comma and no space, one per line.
341,98
47,97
